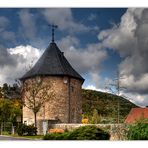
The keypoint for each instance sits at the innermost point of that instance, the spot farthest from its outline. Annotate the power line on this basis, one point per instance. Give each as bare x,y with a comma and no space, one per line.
116,90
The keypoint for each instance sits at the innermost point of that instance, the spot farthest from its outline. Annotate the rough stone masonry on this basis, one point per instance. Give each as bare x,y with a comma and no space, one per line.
54,69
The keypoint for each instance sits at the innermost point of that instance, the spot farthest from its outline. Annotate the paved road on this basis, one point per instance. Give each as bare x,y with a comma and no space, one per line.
2,137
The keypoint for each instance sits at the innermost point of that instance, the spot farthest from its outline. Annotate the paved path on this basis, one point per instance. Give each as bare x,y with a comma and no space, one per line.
3,137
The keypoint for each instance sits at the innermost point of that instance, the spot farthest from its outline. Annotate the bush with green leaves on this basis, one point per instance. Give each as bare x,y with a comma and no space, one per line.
57,136
24,129
31,130
89,133
81,133
21,129
138,131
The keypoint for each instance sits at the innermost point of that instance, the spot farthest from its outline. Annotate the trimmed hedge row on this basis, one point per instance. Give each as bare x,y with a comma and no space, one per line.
81,133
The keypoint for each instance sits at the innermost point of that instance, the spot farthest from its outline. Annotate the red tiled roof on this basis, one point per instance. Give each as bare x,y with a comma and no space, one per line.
136,114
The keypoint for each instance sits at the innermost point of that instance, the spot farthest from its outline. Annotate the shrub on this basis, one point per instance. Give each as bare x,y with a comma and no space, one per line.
89,133
138,131
56,136
29,130
21,129
50,136
81,133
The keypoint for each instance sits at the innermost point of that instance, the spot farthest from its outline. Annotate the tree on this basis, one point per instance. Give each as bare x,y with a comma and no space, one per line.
16,110
5,89
5,110
9,111
36,93
1,92
95,117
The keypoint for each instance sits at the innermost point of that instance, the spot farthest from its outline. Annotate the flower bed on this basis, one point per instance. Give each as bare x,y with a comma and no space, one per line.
55,130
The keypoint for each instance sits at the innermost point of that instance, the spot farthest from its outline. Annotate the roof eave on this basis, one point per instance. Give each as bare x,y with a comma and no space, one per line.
41,75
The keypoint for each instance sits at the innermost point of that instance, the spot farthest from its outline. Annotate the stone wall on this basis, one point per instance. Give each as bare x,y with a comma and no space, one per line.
117,131
65,105
75,101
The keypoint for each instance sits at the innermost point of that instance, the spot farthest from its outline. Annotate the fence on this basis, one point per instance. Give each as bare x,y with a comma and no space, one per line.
7,128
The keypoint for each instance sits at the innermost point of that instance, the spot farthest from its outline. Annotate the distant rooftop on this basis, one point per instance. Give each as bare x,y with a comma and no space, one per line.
136,114
52,63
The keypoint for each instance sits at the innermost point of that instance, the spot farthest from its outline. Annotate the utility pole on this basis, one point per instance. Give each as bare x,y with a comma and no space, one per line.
118,93
116,90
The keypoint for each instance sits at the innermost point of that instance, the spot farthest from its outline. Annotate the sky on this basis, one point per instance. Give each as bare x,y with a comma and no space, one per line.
97,42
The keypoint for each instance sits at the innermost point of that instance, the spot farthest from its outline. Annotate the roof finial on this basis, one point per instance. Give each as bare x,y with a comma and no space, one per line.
53,28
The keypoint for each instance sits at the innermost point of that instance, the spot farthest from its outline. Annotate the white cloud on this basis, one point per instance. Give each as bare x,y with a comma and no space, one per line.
121,36
130,39
86,60
96,79
23,56
25,51
132,84
64,19
6,35
136,98
27,20
92,87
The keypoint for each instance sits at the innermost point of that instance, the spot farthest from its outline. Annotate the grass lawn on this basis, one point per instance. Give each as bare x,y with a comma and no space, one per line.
37,137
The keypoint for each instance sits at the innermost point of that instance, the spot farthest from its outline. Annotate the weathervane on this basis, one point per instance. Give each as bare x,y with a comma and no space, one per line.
53,28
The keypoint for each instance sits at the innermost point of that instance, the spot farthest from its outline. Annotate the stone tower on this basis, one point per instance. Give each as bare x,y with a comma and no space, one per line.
54,69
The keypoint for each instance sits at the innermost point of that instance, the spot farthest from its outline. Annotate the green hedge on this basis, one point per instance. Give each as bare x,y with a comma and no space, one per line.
138,131
57,136
81,133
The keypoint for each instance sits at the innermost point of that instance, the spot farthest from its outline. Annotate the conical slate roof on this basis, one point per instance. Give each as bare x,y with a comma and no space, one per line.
52,63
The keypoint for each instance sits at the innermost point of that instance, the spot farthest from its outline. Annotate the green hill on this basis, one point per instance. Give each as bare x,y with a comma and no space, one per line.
106,105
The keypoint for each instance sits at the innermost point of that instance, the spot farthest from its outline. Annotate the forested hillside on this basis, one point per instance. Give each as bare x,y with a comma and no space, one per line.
99,106
106,106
